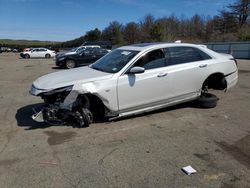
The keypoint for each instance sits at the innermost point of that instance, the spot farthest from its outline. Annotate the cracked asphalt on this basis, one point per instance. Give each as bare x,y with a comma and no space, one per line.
141,151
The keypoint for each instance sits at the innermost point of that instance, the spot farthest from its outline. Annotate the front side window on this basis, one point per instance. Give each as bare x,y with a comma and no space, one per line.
114,61
152,60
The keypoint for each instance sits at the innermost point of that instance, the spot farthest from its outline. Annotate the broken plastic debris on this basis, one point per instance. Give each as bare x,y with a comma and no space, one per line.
188,170
38,116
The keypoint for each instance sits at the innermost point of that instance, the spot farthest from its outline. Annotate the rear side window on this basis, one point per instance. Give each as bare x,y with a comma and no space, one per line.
179,55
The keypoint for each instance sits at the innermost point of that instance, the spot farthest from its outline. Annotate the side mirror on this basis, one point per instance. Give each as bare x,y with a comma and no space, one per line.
136,70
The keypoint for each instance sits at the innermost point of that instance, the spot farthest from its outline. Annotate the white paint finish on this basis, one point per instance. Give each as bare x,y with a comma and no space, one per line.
70,77
143,89
153,89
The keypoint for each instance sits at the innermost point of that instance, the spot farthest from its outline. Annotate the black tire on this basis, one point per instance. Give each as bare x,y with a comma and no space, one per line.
70,64
26,56
86,117
47,56
207,100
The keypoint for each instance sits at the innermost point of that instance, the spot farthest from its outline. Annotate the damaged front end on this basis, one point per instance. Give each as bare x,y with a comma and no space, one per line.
62,106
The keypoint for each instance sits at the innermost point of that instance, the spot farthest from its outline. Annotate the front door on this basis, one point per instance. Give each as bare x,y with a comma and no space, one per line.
136,91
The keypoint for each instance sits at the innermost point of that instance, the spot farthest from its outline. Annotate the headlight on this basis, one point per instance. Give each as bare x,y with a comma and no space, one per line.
35,91
67,88
60,58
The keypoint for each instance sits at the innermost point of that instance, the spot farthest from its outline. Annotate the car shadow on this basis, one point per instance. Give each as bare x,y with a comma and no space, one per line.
24,115
191,104
24,119
58,68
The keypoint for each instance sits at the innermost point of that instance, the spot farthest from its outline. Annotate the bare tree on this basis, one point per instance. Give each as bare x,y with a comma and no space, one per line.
240,10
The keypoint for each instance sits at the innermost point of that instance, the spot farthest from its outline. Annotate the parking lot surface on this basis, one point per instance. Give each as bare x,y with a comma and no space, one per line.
141,151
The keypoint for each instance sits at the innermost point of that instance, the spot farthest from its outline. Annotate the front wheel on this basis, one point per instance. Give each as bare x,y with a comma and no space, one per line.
84,117
70,64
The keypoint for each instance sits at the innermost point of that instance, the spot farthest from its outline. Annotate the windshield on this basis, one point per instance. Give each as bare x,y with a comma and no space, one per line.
114,61
80,50
73,50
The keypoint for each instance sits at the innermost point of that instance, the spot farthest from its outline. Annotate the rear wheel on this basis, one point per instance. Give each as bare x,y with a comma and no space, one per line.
207,100
70,64
47,56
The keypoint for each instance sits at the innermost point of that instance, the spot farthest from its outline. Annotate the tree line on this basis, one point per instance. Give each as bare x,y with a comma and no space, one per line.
231,24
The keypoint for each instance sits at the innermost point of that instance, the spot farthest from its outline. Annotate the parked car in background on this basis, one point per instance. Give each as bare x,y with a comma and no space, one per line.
75,50
5,49
15,50
85,56
134,79
38,53
8,50
27,49
102,44
54,49
80,48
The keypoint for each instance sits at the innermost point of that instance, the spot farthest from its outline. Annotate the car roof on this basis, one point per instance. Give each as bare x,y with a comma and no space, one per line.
148,46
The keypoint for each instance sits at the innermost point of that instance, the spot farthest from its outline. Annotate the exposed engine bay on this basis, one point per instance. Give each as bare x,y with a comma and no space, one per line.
55,113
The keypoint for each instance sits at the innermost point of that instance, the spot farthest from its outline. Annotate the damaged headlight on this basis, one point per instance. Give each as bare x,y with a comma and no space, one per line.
62,89
57,95
36,91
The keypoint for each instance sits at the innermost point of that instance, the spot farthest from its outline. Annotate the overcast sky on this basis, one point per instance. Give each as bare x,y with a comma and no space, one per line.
61,20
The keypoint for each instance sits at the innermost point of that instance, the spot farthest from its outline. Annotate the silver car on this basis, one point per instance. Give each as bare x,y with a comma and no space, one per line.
134,79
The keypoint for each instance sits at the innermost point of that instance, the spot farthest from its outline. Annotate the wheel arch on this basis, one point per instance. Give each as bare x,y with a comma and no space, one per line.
94,104
215,81
47,55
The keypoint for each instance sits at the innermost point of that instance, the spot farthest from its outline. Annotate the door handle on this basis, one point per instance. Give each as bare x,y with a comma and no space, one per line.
202,65
162,75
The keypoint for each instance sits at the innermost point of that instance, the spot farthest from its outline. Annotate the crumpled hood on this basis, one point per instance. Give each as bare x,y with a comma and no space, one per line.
69,77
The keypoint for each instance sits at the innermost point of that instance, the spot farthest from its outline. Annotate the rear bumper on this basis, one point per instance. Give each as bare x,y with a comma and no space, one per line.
232,79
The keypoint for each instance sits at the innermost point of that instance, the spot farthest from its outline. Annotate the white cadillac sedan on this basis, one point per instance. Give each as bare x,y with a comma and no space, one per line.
134,79
38,53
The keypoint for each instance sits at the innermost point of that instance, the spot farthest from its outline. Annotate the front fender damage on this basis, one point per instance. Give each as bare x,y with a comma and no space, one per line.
70,107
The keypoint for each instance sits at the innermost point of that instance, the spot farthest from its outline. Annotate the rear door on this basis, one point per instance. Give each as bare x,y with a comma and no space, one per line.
187,69
43,52
86,57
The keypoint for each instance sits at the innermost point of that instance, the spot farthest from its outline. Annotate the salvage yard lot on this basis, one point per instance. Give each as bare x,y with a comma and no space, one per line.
141,151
